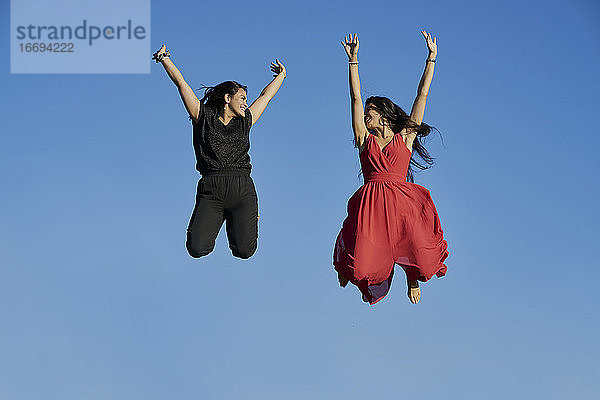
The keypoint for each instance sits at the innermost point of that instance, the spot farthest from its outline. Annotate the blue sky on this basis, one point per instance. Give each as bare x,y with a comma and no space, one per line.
101,301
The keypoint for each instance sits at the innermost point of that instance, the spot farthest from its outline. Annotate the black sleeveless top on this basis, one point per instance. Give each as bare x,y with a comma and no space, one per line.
221,147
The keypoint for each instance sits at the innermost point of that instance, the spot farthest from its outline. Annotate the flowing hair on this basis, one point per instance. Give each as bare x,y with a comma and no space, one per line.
214,96
398,120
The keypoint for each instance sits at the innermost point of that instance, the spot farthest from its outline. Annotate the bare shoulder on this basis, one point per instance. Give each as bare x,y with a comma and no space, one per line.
408,136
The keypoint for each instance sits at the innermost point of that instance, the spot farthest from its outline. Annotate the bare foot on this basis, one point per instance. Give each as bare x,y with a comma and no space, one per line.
414,292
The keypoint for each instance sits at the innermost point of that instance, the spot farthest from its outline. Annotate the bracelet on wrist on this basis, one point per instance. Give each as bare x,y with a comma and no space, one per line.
353,62
430,60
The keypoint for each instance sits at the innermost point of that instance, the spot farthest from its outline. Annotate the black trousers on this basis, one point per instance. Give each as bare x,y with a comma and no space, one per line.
224,196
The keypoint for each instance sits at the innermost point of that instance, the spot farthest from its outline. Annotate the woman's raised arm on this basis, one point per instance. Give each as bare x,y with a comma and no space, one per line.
418,108
190,101
359,128
260,104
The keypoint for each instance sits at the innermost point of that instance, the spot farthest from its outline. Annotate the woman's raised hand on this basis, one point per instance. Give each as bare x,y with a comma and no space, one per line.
162,50
351,46
431,44
278,68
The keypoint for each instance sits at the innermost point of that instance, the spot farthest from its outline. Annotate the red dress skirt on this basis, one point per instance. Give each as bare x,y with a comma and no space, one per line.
390,221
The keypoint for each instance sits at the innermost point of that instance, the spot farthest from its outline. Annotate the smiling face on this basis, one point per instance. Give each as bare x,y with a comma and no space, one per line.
373,118
237,103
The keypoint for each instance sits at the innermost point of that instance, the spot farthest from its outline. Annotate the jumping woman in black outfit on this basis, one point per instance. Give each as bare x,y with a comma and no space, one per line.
221,121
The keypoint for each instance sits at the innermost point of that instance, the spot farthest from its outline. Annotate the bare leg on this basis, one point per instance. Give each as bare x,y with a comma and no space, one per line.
414,292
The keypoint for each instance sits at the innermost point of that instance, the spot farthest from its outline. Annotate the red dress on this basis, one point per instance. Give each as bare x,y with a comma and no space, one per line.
390,221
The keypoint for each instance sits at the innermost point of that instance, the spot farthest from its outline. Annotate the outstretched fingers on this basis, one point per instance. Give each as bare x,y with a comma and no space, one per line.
431,41
346,44
277,67
350,44
426,35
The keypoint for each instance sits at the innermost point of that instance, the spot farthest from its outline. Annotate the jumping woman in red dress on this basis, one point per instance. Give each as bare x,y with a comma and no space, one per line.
390,219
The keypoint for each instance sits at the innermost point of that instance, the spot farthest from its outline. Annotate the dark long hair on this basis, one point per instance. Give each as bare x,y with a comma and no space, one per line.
214,96
398,120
